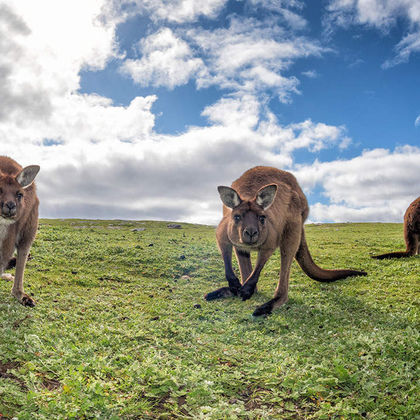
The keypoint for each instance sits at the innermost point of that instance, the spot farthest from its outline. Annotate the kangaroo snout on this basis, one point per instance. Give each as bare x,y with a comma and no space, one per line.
8,209
250,235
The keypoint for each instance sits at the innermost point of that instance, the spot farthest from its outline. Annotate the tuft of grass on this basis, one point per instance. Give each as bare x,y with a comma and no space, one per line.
121,329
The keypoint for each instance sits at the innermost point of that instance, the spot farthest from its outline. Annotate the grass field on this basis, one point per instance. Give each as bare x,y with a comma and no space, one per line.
121,329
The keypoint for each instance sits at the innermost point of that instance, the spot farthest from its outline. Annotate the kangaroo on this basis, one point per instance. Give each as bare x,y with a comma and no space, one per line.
411,233
264,209
18,221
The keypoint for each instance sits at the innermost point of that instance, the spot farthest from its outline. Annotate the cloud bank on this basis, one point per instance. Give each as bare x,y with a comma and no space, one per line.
102,160
382,15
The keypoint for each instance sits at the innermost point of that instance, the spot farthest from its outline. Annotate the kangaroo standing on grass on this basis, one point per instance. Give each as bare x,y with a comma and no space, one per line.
264,210
18,220
411,233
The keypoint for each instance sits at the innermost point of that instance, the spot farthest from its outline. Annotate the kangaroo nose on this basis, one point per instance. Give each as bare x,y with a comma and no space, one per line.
9,208
250,234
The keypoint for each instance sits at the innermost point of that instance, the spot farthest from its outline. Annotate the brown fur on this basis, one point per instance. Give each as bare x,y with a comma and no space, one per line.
264,228
18,220
411,233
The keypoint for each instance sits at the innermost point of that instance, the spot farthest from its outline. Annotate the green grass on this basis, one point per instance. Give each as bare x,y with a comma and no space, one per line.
121,329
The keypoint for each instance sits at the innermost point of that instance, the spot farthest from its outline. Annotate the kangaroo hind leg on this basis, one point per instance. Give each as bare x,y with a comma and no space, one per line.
17,290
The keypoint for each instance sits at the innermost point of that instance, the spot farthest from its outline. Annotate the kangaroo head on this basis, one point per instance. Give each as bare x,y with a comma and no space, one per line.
13,191
247,225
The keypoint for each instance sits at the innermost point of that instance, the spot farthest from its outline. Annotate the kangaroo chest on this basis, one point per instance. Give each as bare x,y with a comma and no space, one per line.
4,230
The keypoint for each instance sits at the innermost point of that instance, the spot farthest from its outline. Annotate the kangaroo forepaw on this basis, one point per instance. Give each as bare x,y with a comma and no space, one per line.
246,292
221,293
234,285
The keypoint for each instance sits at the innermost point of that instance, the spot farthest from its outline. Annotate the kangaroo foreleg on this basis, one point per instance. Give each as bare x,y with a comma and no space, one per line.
248,288
233,281
244,262
17,290
288,248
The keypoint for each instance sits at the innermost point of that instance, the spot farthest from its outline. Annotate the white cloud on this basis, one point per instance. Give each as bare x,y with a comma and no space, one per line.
174,177
179,11
110,162
312,74
93,153
231,112
41,56
377,179
250,56
166,61
102,160
315,137
408,45
391,212
39,61
283,9
83,128
417,122
380,14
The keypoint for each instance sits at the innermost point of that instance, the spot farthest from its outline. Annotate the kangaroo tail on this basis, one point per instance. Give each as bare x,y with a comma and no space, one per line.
317,273
393,255
412,245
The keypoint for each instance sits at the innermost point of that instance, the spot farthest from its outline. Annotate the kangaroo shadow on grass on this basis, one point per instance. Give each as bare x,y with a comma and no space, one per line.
339,316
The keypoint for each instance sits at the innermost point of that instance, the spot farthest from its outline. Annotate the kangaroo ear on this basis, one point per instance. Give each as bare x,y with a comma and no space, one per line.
229,197
27,175
265,196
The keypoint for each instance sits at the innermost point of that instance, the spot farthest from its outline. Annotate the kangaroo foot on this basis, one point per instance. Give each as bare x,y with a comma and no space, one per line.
219,294
24,299
266,308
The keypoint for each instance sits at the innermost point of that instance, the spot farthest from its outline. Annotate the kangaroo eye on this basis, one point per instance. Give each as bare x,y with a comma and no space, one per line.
19,195
261,219
236,217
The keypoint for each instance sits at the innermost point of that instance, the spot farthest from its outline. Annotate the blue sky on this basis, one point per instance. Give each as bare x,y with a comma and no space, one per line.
378,106
140,109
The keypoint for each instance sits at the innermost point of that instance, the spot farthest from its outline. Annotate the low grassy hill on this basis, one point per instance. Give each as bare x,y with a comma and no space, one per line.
121,329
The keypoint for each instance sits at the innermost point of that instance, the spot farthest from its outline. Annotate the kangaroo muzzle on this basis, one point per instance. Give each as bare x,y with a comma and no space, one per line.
250,235
8,209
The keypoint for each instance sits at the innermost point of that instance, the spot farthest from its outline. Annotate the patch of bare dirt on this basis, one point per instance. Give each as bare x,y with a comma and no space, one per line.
6,367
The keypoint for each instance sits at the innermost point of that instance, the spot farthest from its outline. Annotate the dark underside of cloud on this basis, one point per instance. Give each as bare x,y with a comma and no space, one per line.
112,211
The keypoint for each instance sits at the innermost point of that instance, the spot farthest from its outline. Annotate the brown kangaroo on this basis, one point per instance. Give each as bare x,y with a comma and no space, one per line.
411,233
265,209
18,221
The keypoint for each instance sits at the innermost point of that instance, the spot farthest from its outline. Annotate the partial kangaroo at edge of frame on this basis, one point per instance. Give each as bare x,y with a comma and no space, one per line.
411,233
265,209
18,221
